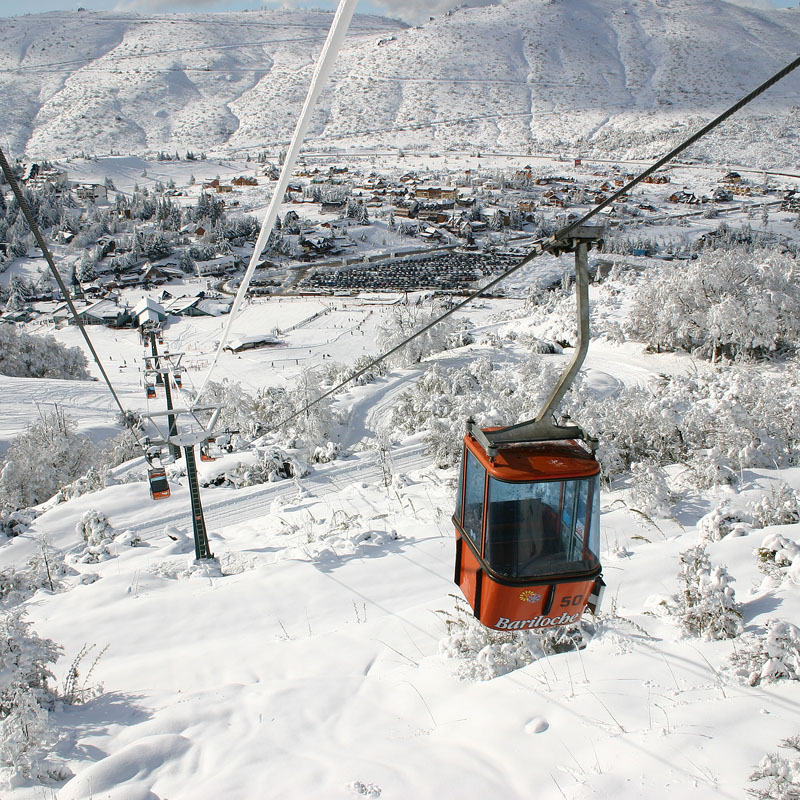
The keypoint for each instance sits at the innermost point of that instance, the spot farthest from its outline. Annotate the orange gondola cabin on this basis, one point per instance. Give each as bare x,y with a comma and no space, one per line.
159,486
527,533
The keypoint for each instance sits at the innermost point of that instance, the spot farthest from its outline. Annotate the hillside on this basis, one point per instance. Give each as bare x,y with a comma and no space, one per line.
313,661
621,77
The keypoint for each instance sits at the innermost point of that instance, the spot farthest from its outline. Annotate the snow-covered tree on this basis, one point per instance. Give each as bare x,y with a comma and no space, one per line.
650,492
86,268
46,569
13,522
729,303
407,318
440,402
483,654
254,415
118,449
705,605
23,355
780,507
312,427
715,422
48,454
781,774
273,464
238,410
721,521
770,656
25,695
96,530
777,553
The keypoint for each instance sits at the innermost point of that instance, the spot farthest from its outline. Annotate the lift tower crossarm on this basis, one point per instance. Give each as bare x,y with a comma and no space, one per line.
544,428
187,439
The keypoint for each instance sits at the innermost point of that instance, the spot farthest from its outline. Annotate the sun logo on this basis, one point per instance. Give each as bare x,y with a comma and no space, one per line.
529,597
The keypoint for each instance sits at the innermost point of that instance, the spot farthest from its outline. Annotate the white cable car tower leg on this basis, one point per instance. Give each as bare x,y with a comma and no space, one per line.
327,57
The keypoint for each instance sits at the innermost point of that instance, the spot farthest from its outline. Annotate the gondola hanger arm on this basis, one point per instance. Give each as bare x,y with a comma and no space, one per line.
544,427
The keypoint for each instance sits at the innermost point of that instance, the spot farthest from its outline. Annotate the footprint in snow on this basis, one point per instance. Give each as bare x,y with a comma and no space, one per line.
537,725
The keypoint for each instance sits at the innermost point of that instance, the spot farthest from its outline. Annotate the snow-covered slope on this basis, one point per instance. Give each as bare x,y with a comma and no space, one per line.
313,662
620,76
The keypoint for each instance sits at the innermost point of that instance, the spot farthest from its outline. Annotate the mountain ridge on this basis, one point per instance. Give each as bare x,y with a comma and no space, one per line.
621,77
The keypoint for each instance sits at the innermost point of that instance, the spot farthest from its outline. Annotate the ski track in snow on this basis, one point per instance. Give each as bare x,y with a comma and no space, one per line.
250,503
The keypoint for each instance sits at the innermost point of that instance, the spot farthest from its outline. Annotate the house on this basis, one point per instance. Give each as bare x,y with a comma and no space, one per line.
791,201
223,188
30,172
19,315
93,289
61,313
91,192
151,274
250,342
331,207
439,217
524,175
684,197
169,272
312,241
215,266
147,311
104,312
192,229
435,192
56,178
244,181
198,306
722,195
430,234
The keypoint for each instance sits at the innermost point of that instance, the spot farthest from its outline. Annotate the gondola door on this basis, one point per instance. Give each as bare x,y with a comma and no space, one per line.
469,518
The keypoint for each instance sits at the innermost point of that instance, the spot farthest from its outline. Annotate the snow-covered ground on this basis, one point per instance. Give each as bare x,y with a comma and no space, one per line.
309,661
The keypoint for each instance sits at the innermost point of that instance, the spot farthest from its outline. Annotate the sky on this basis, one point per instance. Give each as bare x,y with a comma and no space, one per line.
411,11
